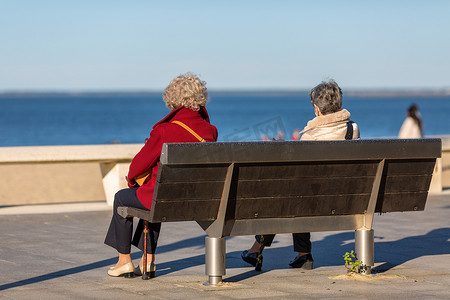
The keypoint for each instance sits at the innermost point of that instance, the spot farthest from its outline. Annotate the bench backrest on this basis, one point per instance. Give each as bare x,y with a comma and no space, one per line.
264,180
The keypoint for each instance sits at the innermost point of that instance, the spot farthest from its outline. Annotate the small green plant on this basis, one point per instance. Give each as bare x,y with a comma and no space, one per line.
351,263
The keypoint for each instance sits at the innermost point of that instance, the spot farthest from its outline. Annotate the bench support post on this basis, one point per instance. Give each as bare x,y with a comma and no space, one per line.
215,259
364,245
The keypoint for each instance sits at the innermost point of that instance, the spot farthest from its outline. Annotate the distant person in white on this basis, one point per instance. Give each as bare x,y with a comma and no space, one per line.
412,126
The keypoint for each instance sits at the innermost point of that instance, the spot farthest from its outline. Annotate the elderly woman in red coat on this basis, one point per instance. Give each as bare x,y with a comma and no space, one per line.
186,97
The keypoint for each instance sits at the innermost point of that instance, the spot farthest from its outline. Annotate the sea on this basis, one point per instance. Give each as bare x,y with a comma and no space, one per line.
40,119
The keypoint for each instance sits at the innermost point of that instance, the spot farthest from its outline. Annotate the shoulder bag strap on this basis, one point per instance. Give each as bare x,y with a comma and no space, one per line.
349,134
189,130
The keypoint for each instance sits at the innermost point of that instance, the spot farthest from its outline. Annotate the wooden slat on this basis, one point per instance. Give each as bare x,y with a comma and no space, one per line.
409,166
407,183
304,187
190,190
308,169
401,202
193,173
191,210
256,152
300,206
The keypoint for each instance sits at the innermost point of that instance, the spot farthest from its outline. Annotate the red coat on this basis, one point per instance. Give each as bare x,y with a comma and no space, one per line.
165,132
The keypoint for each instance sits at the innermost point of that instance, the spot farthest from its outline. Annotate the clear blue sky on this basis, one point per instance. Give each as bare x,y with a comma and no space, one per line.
141,45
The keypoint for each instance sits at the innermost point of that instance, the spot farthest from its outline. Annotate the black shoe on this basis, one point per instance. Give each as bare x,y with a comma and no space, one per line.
250,258
304,262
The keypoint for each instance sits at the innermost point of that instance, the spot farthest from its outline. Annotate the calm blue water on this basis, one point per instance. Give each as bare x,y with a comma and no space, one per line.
80,120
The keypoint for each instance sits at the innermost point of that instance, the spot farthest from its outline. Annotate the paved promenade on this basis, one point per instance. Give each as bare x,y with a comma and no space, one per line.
61,255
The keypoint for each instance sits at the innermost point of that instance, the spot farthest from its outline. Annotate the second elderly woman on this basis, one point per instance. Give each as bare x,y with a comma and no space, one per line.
186,97
332,122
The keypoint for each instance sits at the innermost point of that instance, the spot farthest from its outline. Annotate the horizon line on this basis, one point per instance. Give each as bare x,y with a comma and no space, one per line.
221,90
349,91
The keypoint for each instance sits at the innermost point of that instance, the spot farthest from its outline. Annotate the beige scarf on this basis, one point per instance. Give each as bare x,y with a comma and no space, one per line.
340,116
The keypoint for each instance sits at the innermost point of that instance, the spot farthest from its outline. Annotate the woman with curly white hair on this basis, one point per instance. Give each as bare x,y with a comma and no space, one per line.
188,121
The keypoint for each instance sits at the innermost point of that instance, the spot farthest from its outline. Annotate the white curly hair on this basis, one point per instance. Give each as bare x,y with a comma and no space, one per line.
186,90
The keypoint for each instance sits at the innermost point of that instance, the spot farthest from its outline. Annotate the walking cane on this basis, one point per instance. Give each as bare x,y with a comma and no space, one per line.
259,259
145,274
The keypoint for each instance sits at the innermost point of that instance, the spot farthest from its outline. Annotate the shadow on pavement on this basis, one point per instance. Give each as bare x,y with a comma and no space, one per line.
330,250
435,242
326,252
65,272
104,263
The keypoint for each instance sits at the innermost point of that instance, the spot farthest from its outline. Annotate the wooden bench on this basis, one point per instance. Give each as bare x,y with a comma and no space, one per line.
246,188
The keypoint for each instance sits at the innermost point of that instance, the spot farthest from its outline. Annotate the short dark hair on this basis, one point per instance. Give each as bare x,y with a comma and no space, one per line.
327,96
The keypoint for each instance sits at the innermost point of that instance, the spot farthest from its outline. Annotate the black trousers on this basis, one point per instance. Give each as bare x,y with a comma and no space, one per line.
302,241
120,230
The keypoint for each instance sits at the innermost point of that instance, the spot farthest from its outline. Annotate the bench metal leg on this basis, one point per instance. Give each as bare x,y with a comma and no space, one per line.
215,259
364,245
